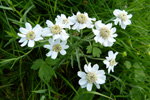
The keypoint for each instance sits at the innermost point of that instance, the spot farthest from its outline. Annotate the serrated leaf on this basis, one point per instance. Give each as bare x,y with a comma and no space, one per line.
45,72
95,44
37,64
51,61
40,91
127,64
89,49
96,52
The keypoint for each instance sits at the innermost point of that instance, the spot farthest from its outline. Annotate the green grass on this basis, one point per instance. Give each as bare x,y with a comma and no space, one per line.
20,79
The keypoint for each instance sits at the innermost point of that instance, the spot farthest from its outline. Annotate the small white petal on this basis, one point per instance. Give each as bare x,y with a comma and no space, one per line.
127,22
96,32
116,12
38,38
82,81
54,55
98,86
31,43
110,53
89,86
28,26
86,68
81,74
24,43
22,40
48,46
95,67
129,16
21,35
123,25
49,54
113,30
63,52
49,23
23,30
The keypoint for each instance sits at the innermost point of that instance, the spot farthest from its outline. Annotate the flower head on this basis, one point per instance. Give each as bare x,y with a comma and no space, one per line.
104,33
29,35
110,61
64,21
55,47
81,21
91,76
122,18
55,30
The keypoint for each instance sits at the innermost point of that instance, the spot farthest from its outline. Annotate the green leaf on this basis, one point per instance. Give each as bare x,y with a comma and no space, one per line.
95,44
127,64
42,98
89,49
40,91
45,72
96,52
139,72
51,61
37,64
82,96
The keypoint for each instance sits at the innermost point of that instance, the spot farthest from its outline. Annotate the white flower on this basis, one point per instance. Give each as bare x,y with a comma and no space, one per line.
55,47
122,18
92,76
29,35
104,33
110,61
56,31
65,22
81,21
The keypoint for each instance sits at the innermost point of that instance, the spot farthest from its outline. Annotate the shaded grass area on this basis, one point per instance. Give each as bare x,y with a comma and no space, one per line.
130,79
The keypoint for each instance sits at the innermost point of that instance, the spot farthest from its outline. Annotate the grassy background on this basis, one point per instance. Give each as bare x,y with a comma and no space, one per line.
131,79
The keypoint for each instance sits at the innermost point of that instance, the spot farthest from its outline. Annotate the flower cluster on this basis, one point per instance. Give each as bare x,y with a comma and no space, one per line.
57,36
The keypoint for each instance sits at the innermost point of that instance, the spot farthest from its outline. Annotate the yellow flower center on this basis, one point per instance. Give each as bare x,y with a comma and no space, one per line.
65,21
112,62
30,35
81,18
57,48
105,32
91,77
122,16
56,29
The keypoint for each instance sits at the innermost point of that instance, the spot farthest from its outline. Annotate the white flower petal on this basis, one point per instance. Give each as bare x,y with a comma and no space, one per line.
24,43
95,67
28,26
63,52
81,74
89,86
96,32
116,12
123,25
98,86
86,68
82,81
23,30
49,23
54,55
21,35
110,53
127,22
48,46
22,40
100,81
49,54
113,30
31,43
129,16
